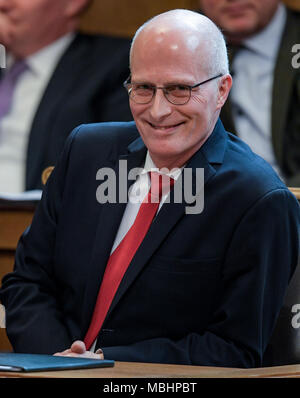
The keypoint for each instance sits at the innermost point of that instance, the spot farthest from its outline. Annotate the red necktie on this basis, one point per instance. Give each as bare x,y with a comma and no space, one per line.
121,257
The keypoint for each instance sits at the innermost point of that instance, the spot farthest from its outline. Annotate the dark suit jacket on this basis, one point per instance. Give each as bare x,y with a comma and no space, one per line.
202,288
86,86
285,117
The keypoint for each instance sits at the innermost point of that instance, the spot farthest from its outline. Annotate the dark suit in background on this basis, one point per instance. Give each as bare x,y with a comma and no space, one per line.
202,289
285,115
86,86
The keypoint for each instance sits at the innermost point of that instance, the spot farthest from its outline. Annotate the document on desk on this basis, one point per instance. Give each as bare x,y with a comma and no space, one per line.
23,198
15,362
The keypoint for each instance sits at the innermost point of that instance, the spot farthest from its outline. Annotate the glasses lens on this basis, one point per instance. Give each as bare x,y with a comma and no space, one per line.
177,94
141,93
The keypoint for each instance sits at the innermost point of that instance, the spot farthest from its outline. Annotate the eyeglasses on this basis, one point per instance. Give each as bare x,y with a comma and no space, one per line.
177,94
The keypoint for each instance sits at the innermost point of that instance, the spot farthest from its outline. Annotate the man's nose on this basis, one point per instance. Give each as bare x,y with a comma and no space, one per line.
160,107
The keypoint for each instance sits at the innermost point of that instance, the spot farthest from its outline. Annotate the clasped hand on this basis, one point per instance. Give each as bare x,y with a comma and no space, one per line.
78,349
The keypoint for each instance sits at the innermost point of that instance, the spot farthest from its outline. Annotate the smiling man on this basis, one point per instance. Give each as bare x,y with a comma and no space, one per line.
176,121
145,281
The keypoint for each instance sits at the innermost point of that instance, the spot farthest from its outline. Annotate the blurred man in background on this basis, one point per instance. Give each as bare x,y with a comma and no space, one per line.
264,103
56,78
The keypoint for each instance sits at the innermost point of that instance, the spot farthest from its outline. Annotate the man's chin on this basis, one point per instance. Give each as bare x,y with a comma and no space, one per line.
240,30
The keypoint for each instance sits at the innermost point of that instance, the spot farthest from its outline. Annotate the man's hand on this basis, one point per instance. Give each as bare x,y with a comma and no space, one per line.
78,349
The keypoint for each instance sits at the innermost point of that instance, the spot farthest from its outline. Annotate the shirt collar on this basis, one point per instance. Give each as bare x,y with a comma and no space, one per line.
267,41
150,166
44,61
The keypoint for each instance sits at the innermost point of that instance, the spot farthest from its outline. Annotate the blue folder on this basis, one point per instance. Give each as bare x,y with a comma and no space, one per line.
15,362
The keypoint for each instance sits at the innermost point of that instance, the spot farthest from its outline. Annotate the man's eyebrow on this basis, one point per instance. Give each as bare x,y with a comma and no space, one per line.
170,83
141,82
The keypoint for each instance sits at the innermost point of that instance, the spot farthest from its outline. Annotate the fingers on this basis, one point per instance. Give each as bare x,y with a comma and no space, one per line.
78,347
100,354
62,353
86,354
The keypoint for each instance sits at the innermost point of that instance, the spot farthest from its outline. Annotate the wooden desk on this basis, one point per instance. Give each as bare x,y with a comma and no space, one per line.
13,221
150,370
296,192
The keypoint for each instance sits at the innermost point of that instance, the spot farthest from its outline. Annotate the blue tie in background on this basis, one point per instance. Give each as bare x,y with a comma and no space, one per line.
7,85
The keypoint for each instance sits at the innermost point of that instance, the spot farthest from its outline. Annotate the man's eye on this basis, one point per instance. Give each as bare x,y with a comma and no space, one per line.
142,87
178,90
177,87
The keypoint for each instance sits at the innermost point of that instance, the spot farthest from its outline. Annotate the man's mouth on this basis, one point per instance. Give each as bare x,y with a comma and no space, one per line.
165,127
237,10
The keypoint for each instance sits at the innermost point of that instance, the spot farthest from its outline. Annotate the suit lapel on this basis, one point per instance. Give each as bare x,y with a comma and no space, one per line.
171,213
284,75
110,216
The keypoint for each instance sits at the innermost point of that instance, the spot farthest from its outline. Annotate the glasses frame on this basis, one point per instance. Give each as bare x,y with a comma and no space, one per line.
127,84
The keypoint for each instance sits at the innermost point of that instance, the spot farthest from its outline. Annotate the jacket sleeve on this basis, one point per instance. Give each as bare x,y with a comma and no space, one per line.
34,321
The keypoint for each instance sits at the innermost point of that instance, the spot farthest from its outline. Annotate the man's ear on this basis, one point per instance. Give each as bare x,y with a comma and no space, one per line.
76,7
225,84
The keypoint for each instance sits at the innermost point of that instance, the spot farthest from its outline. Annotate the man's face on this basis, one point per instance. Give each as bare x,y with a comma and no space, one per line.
239,18
27,25
173,133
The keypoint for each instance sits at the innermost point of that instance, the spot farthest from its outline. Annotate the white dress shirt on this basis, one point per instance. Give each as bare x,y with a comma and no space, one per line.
137,194
16,125
251,94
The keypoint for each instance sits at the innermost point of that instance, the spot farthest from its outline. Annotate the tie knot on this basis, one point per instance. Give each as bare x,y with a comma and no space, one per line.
161,184
16,70
233,51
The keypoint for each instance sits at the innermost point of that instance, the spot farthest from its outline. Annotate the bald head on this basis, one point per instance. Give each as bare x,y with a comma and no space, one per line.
183,29
179,83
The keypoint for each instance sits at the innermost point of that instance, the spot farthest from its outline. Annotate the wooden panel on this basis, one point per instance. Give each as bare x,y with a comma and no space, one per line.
293,4
12,224
5,345
122,18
